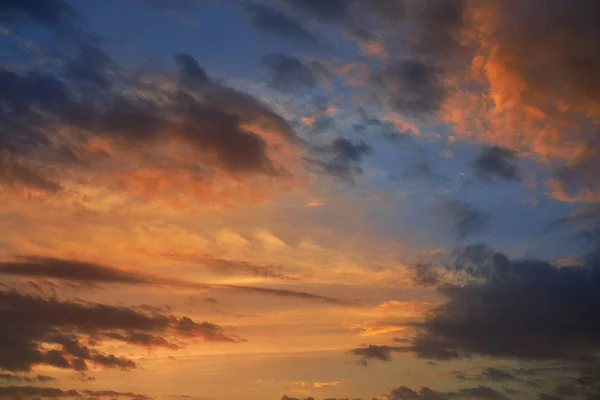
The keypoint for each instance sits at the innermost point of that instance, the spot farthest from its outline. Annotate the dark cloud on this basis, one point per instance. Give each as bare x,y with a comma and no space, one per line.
91,67
274,21
425,393
284,293
50,12
81,271
425,274
412,86
47,267
522,309
497,374
496,161
288,73
25,378
566,389
466,220
191,72
374,352
233,267
482,392
18,392
545,396
32,323
343,158
327,10
14,173
82,100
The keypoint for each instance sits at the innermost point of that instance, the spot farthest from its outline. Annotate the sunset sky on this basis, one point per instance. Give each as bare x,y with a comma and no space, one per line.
300,199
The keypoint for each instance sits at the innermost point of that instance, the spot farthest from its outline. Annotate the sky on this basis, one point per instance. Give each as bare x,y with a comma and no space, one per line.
300,199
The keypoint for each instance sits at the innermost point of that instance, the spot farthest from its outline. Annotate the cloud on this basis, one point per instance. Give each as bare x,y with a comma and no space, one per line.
233,267
495,161
328,10
413,87
425,393
514,308
49,12
75,329
47,267
37,392
81,271
288,73
14,173
185,136
466,220
191,72
19,378
344,157
566,389
497,374
274,21
374,352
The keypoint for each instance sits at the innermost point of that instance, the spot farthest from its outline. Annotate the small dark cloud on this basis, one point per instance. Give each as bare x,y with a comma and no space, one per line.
91,67
545,396
327,10
412,87
47,267
482,392
224,266
49,12
276,22
466,220
7,378
15,173
288,73
374,352
496,161
343,158
190,71
425,274
497,374
568,389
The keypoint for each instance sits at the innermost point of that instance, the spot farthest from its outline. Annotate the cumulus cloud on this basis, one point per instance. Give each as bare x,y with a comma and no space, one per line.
513,308
221,130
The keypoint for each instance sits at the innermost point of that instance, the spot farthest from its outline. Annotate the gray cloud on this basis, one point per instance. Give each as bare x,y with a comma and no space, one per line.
18,392
522,309
374,352
343,158
288,73
81,271
465,219
31,323
412,86
496,161
233,267
274,21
